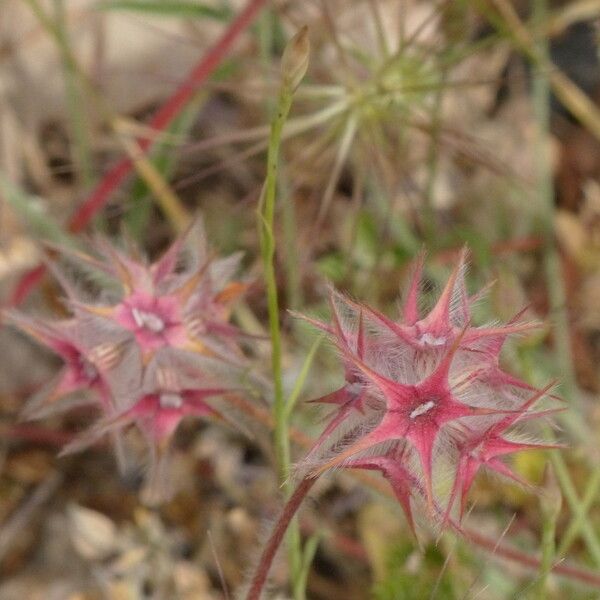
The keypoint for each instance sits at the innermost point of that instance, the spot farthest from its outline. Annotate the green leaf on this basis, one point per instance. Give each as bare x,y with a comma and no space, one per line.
170,8
32,212
308,554
301,380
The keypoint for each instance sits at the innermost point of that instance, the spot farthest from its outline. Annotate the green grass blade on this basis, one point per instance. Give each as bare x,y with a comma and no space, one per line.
30,210
168,9
301,380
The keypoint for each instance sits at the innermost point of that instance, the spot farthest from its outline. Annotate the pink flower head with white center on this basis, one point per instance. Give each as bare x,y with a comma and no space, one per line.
447,320
431,386
485,449
89,360
181,301
176,385
155,321
414,412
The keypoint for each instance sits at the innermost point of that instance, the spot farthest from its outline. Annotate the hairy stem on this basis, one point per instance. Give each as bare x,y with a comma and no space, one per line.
293,67
266,560
268,244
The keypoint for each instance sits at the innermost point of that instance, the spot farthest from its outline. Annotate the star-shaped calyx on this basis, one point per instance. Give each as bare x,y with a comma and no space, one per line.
91,356
170,303
485,448
352,396
449,318
392,465
414,412
432,384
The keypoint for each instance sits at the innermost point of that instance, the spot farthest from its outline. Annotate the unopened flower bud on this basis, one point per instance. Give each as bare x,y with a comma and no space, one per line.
294,62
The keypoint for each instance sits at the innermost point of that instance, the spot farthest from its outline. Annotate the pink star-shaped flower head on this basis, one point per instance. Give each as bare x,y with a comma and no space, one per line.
176,385
427,336
181,301
93,357
352,396
436,330
405,389
485,447
396,464
489,347
416,413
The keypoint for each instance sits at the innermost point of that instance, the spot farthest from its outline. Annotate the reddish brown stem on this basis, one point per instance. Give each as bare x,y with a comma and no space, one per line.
26,284
266,560
527,561
165,115
501,550
35,434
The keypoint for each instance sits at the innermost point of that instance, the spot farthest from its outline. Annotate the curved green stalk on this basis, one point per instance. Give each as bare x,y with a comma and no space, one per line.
294,64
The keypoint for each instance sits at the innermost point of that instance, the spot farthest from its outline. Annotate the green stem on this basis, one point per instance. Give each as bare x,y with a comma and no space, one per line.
579,521
268,246
548,545
570,493
282,451
558,297
554,276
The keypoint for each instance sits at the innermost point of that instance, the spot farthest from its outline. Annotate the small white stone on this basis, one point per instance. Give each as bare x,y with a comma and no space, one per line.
93,534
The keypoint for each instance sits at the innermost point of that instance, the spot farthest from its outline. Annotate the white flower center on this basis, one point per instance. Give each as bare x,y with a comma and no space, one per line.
170,400
354,388
422,409
89,370
148,320
430,340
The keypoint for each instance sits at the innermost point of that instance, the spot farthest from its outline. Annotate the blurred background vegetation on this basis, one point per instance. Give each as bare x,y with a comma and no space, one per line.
420,124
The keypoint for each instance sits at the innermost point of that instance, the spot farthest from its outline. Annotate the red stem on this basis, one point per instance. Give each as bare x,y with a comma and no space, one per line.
165,115
509,553
35,434
26,284
266,560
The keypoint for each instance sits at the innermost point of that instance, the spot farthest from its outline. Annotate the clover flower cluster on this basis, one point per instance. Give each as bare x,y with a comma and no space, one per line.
153,347
425,401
